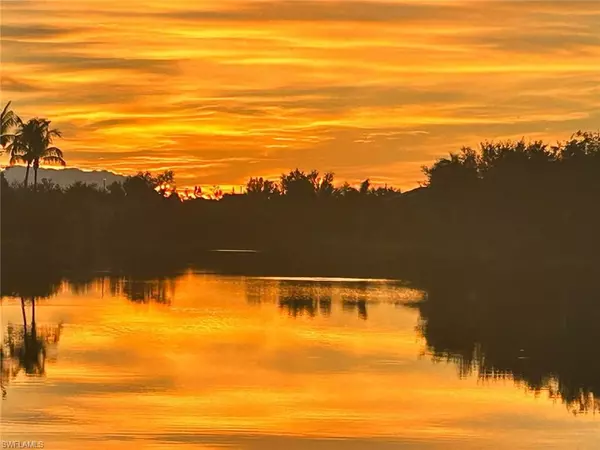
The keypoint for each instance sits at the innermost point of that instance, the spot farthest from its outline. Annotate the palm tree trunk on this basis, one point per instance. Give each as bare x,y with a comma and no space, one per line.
24,314
36,166
26,182
33,314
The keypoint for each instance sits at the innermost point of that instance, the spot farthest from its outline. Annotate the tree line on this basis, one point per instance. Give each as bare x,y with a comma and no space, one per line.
512,202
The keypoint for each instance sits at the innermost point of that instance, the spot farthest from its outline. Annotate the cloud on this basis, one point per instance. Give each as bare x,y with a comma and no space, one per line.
49,54
364,88
327,11
10,84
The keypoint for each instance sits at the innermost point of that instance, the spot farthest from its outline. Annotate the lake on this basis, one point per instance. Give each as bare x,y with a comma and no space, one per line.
200,360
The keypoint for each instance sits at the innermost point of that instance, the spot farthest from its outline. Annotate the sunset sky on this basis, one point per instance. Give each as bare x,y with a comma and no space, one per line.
223,90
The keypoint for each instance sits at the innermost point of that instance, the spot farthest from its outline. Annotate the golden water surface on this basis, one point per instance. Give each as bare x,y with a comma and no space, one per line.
209,361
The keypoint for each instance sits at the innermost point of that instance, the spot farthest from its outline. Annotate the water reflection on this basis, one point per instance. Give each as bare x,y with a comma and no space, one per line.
196,353
29,282
534,332
143,290
299,305
356,304
26,347
311,297
541,335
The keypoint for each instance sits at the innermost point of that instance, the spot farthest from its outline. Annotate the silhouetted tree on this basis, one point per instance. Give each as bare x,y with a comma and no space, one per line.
139,185
365,187
581,145
32,145
146,185
164,183
261,188
116,190
299,185
347,191
48,186
8,121
458,171
324,185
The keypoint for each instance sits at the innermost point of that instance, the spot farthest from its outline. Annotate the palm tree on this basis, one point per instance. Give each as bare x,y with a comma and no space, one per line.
32,145
8,120
19,153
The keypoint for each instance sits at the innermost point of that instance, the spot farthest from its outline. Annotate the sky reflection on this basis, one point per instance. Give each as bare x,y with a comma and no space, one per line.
223,364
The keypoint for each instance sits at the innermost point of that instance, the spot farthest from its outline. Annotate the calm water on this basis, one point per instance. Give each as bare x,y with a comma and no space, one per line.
208,361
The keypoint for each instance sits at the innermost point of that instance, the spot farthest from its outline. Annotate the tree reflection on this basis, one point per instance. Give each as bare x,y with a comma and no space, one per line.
29,282
300,305
325,306
351,304
540,333
26,347
142,290
299,298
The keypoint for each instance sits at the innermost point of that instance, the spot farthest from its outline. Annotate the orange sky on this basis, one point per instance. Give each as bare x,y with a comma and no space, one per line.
222,90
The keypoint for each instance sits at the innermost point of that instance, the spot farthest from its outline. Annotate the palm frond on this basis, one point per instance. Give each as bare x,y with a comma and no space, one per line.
53,151
8,118
16,159
54,132
17,147
32,143
53,160
6,108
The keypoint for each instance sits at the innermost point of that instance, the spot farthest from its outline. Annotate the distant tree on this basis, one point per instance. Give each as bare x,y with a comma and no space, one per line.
325,187
47,185
579,157
347,191
581,145
299,185
513,159
32,145
115,190
261,188
458,171
167,177
365,187
144,184
82,190
164,183
385,191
